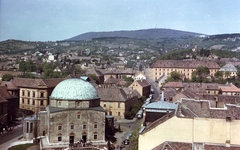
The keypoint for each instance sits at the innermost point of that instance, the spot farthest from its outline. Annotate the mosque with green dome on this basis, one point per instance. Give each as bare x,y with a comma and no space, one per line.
74,115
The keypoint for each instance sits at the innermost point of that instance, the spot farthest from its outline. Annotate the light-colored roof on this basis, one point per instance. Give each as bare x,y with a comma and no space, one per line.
160,105
228,67
74,89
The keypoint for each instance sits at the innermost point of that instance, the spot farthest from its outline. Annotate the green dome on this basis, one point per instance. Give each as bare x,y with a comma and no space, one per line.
74,89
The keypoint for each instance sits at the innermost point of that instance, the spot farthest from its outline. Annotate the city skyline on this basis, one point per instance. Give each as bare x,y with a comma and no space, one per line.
43,20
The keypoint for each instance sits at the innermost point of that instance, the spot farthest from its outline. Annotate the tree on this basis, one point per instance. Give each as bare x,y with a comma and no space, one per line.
7,77
174,77
218,74
201,72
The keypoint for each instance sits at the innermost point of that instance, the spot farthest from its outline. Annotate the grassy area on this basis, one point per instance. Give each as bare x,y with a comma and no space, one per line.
23,146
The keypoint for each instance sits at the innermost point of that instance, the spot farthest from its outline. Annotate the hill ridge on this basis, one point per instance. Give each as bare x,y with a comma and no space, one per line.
152,33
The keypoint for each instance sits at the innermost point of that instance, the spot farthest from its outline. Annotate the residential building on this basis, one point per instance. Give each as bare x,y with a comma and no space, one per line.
229,89
184,67
139,76
156,110
12,103
115,101
229,70
34,93
3,114
142,86
194,121
118,73
178,86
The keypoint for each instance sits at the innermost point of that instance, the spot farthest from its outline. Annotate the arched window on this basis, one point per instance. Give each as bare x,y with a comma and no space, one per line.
59,137
95,136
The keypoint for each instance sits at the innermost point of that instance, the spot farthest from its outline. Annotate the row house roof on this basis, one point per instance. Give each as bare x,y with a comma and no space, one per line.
172,145
191,108
4,93
36,83
192,64
9,84
143,83
173,85
113,94
203,109
229,88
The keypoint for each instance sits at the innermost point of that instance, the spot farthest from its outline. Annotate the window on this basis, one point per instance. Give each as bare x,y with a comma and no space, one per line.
23,101
31,127
95,125
84,126
78,116
33,102
110,113
27,127
22,93
72,126
104,104
59,103
28,101
59,138
59,127
118,113
41,103
28,93
110,104
119,105
95,137
33,94
41,94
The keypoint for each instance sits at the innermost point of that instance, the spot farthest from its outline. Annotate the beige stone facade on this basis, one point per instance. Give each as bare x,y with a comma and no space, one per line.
73,117
185,68
115,101
34,93
142,86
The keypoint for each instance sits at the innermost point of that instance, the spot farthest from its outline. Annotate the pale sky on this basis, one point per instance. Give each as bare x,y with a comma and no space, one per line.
52,20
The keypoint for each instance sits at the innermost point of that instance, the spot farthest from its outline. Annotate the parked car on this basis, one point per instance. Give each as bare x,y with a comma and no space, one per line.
127,139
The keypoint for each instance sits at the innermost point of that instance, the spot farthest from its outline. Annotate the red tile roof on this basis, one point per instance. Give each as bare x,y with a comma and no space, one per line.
193,64
4,93
173,85
9,84
143,82
36,83
229,88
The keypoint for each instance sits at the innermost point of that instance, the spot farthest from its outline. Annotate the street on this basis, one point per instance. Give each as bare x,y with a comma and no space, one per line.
16,132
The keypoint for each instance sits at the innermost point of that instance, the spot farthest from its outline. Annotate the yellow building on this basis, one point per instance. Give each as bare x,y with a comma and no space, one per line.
115,101
142,86
229,71
34,93
185,68
194,121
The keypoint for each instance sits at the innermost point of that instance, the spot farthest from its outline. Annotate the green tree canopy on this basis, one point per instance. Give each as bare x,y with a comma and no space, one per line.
7,77
218,74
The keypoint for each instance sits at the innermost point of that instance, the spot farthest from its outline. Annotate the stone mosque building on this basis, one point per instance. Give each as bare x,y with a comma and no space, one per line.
74,115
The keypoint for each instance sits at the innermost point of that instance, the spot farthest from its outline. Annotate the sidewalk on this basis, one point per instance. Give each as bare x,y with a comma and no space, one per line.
13,142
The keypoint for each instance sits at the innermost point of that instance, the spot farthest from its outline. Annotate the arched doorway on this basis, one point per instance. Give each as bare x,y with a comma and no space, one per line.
84,137
71,138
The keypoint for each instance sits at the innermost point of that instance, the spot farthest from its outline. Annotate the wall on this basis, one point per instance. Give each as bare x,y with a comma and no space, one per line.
207,130
69,117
